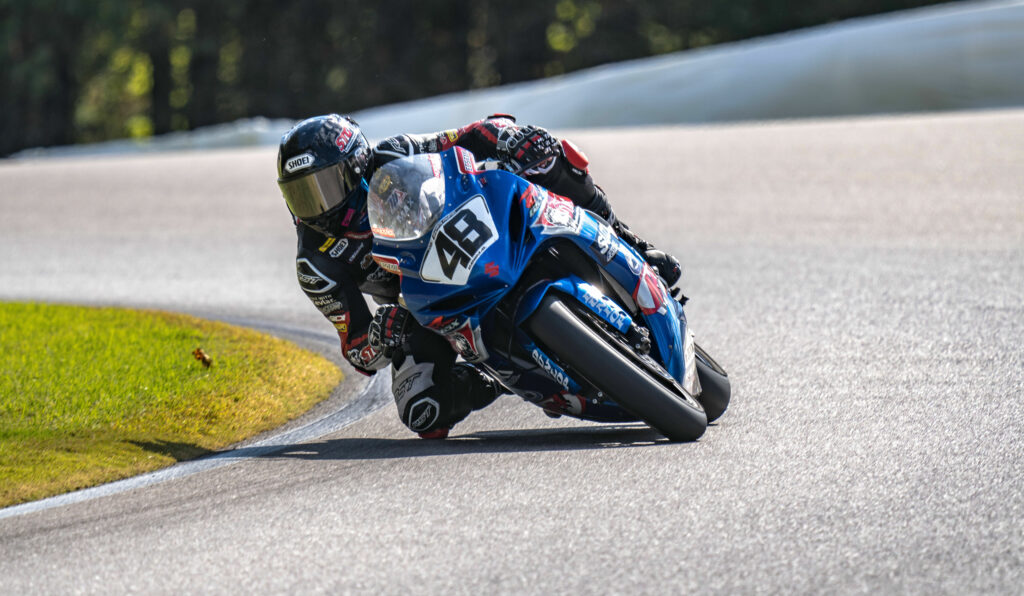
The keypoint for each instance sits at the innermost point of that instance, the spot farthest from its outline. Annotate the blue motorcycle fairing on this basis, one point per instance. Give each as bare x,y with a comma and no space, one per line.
661,313
492,225
588,295
458,284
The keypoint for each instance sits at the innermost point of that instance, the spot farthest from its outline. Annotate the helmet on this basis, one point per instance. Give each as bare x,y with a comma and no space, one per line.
321,166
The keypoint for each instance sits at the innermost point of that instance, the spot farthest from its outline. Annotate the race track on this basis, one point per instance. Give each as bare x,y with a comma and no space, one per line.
861,280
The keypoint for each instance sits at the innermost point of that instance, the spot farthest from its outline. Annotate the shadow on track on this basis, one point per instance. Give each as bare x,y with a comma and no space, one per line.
511,441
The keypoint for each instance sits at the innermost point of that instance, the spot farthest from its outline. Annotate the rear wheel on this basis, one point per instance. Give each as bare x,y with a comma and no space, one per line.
633,381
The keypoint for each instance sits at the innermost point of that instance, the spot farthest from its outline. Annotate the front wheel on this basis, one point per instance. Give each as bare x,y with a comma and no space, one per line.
619,373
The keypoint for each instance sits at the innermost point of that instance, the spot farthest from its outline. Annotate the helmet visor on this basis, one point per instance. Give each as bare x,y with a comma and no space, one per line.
320,191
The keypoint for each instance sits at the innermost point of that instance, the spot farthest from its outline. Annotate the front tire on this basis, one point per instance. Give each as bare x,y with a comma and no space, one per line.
619,373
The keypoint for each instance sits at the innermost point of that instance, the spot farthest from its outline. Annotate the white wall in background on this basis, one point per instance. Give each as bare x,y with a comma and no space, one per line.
965,55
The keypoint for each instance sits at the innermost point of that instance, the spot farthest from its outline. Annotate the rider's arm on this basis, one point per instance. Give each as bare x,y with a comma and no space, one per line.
499,137
330,283
480,138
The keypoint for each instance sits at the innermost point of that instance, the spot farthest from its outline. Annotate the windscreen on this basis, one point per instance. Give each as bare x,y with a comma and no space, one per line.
406,197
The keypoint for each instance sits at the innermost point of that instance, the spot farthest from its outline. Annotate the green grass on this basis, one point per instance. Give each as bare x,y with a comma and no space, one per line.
90,395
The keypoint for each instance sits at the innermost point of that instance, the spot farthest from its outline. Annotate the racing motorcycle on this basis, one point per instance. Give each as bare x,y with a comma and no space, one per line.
541,294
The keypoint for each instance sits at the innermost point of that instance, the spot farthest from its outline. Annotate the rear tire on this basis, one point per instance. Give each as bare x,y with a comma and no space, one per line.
716,389
619,373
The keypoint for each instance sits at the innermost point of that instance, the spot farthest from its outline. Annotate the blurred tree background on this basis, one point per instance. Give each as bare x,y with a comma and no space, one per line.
77,71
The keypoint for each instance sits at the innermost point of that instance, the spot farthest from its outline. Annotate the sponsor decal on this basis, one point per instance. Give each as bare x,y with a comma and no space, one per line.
559,215
423,413
382,183
356,251
606,308
339,248
343,139
565,403
367,261
532,199
368,354
529,196
648,293
359,235
348,218
605,246
383,232
311,279
299,162
389,264
327,304
360,353
405,385
340,322
411,379
457,242
466,161
326,245
636,265
319,301
465,340
551,369
446,326
452,136
491,269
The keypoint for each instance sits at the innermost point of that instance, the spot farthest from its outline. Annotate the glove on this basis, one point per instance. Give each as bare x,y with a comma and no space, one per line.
390,329
529,150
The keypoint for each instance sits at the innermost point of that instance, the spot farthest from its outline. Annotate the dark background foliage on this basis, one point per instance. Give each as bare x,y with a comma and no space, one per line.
78,71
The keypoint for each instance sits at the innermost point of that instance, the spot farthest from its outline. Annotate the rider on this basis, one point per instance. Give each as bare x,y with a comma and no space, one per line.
324,165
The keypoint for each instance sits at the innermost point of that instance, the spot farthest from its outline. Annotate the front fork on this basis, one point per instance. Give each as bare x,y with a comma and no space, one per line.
639,338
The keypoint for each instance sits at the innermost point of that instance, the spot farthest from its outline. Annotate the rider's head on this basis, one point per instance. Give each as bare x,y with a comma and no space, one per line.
321,165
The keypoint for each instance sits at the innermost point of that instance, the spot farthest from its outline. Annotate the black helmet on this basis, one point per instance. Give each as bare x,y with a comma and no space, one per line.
321,166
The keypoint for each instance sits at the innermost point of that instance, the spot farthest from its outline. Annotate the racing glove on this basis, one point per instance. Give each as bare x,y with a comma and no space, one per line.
528,150
390,329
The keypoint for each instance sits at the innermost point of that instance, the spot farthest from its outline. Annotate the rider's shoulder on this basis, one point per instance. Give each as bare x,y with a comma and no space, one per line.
393,148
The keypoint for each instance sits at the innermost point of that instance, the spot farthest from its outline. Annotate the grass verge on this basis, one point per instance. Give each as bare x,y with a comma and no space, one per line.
91,395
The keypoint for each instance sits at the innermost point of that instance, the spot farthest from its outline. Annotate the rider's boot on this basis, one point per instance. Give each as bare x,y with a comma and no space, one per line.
573,180
665,264
469,390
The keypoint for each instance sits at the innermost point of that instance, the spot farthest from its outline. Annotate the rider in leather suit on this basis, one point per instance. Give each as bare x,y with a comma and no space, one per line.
324,165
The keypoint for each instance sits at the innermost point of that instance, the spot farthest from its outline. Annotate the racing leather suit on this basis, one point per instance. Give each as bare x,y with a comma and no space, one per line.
432,392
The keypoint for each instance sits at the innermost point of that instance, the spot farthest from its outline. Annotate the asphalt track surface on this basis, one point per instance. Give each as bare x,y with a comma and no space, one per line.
862,281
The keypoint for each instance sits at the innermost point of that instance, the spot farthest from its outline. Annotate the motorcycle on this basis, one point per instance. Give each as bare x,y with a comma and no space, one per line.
541,294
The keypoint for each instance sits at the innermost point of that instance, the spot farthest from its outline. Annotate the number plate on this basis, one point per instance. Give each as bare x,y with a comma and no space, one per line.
457,242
